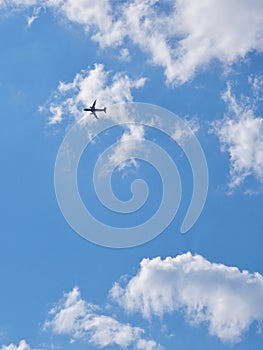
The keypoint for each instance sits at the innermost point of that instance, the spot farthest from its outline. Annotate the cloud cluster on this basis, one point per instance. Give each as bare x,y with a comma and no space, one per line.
75,317
240,134
181,36
22,346
88,85
223,297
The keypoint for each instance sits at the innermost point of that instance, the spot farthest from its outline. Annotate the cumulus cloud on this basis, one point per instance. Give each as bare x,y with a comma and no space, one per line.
22,346
181,36
240,134
88,85
226,299
75,317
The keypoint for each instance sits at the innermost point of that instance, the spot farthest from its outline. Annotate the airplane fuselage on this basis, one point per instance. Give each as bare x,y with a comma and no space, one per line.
93,110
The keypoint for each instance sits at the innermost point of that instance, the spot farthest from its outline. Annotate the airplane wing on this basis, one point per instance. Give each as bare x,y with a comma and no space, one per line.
94,103
95,115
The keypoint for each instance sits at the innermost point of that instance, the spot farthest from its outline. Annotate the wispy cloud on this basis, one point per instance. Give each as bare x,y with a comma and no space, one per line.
240,134
256,82
181,135
226,299
31,19
121,155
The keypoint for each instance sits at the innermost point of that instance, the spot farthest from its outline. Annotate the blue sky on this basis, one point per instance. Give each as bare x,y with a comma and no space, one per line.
201,62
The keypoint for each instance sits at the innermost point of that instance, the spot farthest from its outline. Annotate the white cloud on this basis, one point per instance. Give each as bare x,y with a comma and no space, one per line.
256,83
31,19
181,36
88,85
209,30
143,344
56,112
131,140
96,17
75,317
18,3
223,297
22,346
125,55
240,134
181,135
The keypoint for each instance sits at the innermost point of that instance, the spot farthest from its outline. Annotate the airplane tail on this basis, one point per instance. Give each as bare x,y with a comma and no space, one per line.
104,109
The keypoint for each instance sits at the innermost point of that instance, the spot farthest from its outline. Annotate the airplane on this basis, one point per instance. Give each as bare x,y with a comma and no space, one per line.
93,110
